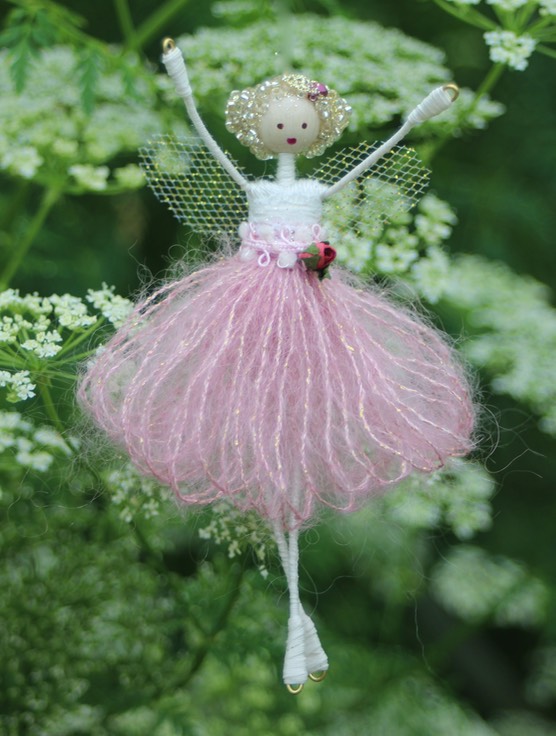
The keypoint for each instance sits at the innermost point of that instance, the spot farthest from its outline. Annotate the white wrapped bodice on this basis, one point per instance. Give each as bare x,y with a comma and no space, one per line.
296,203
284,218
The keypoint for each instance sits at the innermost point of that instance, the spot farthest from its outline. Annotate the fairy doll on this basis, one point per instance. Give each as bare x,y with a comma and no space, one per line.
259,380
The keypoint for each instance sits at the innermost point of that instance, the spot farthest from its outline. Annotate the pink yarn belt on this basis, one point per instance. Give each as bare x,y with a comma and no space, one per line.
279,243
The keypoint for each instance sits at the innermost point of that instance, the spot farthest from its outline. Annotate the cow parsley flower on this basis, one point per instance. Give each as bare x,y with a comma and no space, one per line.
473,585
508,48
23,160
458,495
547,7
19,384
91,178
71,311
112,306
237,531
134,494
31,447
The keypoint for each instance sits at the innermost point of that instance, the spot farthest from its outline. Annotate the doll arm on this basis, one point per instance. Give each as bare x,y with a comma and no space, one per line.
172,59
434,103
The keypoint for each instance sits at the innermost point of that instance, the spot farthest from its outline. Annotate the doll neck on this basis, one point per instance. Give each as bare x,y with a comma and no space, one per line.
285,173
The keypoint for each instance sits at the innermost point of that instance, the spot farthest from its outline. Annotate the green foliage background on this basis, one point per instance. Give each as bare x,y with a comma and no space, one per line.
121,614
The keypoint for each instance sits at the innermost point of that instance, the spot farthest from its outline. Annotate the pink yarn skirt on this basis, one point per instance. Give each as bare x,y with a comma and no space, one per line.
278,391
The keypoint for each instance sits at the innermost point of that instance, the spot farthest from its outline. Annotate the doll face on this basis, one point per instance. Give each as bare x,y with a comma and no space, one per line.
290,125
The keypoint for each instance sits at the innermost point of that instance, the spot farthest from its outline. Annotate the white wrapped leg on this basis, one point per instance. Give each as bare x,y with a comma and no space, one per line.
295,667
304,653
315,656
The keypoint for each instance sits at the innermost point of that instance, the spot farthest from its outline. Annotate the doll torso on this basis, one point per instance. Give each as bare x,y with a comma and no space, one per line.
283,219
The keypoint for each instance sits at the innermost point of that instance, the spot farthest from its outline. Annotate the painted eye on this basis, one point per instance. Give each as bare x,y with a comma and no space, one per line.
304,126
280,125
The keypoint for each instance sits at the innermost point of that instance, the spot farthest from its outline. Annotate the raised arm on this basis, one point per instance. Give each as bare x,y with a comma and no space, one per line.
434,103
172,59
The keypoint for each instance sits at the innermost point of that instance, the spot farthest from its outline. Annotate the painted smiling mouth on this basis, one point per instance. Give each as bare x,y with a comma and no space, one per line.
291,141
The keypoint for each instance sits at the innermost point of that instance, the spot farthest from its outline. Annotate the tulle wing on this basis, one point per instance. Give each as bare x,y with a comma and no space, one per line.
185,176
392,186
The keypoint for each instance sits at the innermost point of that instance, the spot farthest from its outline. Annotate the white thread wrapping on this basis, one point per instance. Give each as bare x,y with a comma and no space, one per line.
304,652
434,103
295,667
315,656
175,66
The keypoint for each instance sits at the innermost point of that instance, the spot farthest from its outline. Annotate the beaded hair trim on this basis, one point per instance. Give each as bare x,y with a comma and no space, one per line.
246,107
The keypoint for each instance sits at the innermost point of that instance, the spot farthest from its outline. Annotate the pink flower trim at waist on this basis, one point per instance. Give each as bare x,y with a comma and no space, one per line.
280,244
278,238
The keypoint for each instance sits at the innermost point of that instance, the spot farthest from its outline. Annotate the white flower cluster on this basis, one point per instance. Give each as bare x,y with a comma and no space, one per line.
458,495
50,135
475,586
19,385
547,7
382,72
515,338
33,448
407,247
134,494
238,532
113,307
508,48
39,326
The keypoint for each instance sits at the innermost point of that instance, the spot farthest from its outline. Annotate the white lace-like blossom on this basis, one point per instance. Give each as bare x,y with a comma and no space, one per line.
34,448
19,385
71,311
34,327
473,585
92,178
237,531
458,495
133,494
112,306
506,47
547,7
130,176
24,161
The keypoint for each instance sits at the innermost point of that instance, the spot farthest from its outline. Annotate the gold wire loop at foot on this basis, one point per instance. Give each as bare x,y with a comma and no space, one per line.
453,90
318,676
294,689
168,44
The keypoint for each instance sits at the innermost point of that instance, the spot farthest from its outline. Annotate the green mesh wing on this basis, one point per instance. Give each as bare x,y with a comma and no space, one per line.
383,193
185,176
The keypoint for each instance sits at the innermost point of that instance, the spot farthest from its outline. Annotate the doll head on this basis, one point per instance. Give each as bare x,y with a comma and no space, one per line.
287,114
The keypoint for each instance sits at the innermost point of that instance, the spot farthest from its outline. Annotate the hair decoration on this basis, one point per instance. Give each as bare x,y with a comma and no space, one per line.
318,90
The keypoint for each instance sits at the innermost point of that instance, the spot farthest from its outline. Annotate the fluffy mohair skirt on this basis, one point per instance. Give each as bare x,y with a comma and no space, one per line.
278,391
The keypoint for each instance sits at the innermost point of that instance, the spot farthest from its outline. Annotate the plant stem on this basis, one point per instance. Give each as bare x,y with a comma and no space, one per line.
49,198
153,25
15,205
494,74
76,340
51,411
126,23
220,622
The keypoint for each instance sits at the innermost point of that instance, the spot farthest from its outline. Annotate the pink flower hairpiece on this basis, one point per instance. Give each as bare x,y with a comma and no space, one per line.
317,90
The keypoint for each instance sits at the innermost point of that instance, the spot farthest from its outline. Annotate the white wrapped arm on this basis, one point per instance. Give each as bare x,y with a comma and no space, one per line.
434,103
173,60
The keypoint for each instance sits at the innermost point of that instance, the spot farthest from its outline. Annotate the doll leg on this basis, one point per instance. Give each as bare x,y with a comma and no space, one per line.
305,656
